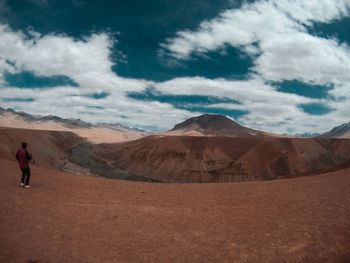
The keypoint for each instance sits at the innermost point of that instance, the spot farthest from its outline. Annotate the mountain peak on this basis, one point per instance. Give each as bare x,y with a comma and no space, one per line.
212,125
206,121
342,131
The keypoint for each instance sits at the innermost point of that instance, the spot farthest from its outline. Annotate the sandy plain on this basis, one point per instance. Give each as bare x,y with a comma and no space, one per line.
72,218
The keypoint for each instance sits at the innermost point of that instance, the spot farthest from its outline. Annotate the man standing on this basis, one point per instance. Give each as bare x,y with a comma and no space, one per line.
23,157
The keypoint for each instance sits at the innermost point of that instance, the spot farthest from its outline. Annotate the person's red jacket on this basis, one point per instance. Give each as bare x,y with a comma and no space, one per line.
23,157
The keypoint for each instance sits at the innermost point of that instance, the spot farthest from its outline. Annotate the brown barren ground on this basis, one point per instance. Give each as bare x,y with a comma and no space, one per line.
194,159
72,218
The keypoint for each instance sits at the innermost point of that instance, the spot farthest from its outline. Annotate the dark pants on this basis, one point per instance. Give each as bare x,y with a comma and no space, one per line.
25,173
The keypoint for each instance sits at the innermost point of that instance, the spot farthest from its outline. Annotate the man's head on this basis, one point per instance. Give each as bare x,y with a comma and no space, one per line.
24,145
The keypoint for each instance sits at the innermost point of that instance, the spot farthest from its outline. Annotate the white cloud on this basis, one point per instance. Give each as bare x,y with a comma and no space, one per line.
67,102
237,27
249,91
275,34
304,57
268,109
86,62
56,54
276,31
308,11
272,31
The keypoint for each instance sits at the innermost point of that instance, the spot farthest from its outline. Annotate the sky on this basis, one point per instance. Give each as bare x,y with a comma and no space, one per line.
280,66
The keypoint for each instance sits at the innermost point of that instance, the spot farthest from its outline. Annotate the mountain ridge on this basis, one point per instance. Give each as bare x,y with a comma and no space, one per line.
341,131
213,125
94,133
67,122
202,125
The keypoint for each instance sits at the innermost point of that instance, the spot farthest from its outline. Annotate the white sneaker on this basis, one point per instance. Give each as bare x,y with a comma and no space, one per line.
27,186
22,184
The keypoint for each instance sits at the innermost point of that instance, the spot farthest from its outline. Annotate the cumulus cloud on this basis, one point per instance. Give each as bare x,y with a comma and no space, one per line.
87,62
307,12
56,54
267,108
274,33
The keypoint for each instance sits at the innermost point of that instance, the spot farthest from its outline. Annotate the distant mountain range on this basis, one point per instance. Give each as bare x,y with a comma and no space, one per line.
69,123
203,125
342,131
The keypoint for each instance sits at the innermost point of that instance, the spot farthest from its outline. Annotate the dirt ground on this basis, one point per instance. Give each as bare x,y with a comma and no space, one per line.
72,218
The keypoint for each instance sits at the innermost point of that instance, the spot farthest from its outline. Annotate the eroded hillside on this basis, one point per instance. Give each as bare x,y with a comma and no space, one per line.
224,159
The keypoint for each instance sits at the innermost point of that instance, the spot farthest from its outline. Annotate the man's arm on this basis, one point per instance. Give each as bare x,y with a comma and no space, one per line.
28,156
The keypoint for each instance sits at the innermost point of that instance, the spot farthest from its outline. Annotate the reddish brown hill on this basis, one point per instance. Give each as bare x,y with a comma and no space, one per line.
212,125
181,158
224,159
71,218
50,149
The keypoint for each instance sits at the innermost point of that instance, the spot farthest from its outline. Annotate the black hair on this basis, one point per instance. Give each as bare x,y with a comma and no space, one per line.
24,145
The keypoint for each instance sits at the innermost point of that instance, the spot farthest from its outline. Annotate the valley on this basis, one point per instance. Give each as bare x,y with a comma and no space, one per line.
203,196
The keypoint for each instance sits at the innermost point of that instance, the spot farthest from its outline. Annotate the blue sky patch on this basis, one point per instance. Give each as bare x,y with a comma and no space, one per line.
96,107
193,103
98,96
211,65
18,99
27,79
162,18
235,114
88,113
303,89
337,29
315,108
141,28
150,94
